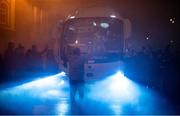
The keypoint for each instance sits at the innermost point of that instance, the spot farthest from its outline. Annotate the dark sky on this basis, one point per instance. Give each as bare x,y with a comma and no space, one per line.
151,18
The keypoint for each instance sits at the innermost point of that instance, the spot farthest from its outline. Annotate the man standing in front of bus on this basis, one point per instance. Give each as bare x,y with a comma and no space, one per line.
76,74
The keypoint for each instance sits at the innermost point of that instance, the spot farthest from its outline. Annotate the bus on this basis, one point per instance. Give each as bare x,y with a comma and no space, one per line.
100,34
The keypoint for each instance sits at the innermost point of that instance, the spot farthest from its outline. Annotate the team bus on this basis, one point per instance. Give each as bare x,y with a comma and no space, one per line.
100,33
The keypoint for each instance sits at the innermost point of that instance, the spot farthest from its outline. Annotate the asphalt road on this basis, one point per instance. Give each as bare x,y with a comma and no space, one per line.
114,95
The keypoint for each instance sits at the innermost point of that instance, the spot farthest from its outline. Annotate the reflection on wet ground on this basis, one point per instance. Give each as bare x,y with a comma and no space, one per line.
115,94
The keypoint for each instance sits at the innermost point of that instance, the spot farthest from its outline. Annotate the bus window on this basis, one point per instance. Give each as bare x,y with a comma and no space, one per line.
99,35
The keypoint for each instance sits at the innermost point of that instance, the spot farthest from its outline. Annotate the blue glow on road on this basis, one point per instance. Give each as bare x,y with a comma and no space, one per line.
50,95
116,86
123,95
47,87
46,82
121,87
63,107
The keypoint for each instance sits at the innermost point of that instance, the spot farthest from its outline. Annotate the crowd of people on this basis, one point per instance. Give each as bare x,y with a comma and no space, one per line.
17,63
157,69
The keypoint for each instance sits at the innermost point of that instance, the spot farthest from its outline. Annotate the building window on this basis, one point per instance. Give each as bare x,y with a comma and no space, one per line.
4,14
38,15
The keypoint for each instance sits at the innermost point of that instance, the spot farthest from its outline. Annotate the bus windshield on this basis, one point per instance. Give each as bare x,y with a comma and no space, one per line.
95,35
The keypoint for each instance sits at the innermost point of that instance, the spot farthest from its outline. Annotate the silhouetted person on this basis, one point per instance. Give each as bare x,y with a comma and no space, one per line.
9,61
64,56
36,59
28,61
51,64
19,61
76,74
1,68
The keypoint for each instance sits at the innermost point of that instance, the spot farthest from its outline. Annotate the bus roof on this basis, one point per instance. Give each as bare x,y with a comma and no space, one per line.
95,12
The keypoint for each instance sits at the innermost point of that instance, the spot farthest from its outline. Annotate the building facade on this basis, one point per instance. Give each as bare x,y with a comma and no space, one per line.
24,22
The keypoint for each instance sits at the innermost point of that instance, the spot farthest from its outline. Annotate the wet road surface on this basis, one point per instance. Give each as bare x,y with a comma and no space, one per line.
114,95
